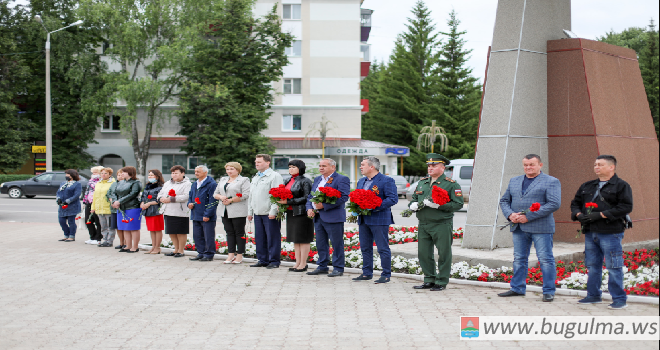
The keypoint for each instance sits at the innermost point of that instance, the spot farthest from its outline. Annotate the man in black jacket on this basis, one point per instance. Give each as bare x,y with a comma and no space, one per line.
603,226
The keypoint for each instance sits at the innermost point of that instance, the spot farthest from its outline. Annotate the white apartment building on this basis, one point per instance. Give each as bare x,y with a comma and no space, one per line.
328,60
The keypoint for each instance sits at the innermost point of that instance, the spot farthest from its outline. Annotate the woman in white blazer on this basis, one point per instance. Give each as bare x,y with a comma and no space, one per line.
233,192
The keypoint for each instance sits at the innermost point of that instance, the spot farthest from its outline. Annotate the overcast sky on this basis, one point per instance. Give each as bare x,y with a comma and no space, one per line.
591,18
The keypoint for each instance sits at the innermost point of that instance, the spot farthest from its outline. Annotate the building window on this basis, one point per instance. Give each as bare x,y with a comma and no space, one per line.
170,160
365,20
291,123
291,12
281,163
111,123
295,50
292,86
365,52
193,162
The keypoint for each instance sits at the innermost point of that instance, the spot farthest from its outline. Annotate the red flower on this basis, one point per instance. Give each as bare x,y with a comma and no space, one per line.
239,195
591,205
65,206
330,192
535,207
197,201
440,196
88,222
365,199
171,193
150,196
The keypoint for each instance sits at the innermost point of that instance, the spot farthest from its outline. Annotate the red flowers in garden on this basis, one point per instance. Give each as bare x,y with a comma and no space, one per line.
171,193
440,196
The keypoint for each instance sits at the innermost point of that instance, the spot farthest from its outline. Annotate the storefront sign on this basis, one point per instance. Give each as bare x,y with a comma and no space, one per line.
367,151
38,149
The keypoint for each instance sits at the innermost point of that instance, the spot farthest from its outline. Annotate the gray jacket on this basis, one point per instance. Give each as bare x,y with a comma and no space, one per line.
259,201
240,185
180,207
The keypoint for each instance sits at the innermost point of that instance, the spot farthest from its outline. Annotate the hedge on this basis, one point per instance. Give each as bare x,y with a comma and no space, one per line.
7,178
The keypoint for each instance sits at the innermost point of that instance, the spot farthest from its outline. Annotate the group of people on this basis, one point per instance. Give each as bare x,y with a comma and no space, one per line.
169,205
601,206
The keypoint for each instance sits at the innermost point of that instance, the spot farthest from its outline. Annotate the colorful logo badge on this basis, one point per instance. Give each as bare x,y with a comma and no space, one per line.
469,327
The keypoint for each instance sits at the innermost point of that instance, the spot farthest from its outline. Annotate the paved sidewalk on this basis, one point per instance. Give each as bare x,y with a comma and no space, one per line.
56,295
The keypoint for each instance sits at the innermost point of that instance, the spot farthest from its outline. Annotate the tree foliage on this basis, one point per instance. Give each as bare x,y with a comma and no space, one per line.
149,40
14,72
424,81
224,102
76,76
645,42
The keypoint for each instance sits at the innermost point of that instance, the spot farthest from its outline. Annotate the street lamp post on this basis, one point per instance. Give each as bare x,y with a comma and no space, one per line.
49,123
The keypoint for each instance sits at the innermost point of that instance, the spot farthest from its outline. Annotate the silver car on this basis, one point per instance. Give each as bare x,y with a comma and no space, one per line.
402,184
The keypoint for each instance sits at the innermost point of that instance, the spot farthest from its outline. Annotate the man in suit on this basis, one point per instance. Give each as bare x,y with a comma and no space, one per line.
202,207
527,226
329,223
375,227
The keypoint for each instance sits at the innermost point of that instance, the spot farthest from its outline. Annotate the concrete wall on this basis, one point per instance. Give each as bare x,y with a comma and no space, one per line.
514,118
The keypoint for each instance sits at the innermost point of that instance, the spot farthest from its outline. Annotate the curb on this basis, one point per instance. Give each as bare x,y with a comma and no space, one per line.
497,285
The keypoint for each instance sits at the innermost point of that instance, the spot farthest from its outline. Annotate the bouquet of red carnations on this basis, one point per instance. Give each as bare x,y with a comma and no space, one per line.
326,195
362,203
277,194
440,196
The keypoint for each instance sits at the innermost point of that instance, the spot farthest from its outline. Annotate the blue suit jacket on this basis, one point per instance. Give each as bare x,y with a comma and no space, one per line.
388,192
332,213
545,190
205,195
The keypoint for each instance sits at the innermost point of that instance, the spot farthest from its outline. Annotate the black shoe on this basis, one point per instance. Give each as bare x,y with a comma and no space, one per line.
123,250
548,298
437,288
426,285
382,280
198,257
292,269
206,259
318,272
273,266
362,278
70,240
336,273
62,240
178,255
510,294
301,270
169,254
120,247
132,251
259,265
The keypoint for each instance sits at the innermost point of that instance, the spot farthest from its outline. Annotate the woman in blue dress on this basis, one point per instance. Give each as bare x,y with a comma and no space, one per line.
128,205
68,200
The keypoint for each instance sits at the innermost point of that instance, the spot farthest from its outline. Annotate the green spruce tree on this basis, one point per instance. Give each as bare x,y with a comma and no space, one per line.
648,62
460,93
224,103
408,90
14,142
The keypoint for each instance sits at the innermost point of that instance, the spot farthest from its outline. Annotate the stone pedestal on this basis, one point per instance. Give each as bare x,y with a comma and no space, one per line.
514,116
597,105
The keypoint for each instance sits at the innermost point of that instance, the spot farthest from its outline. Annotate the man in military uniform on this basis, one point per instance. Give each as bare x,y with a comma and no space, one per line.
436,222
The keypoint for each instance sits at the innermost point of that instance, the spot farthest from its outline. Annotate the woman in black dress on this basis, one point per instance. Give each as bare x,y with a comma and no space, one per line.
299,228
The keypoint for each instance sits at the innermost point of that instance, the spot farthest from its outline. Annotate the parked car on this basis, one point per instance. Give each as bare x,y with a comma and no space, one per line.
45,184
401,184
459,170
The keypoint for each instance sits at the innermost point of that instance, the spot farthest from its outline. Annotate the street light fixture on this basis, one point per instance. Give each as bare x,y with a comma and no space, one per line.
49,127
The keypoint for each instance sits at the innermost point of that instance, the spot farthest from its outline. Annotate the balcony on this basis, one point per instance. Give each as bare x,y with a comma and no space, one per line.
364,69
365,21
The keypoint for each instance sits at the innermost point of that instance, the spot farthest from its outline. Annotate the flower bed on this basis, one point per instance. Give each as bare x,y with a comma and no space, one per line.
640,270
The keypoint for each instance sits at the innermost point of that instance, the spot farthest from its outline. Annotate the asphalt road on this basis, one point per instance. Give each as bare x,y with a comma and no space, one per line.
44,210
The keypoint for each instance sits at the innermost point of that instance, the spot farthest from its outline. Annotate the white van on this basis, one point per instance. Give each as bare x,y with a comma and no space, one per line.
461,171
